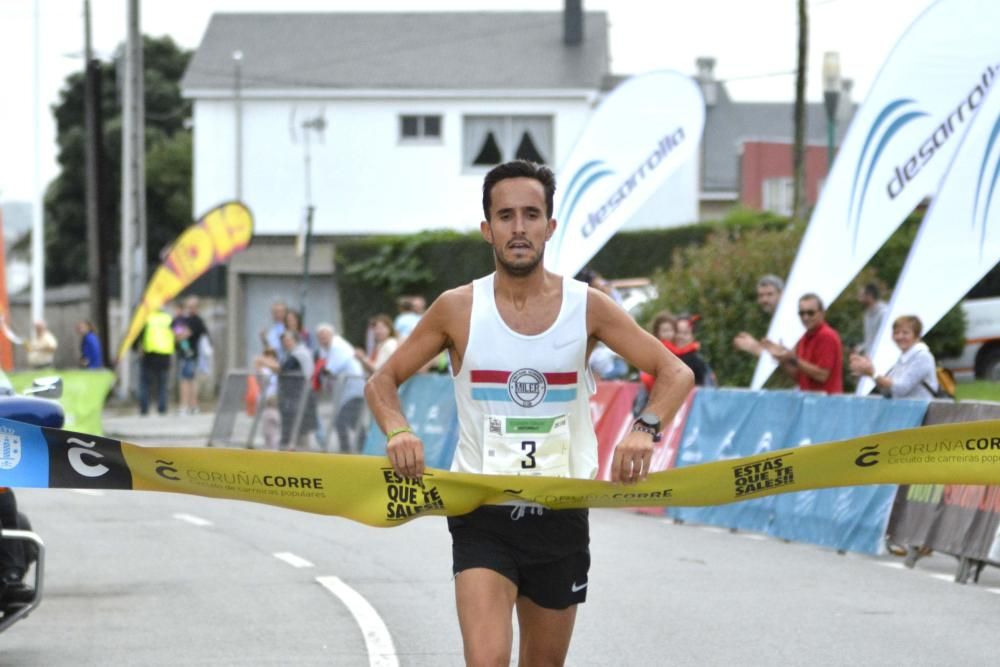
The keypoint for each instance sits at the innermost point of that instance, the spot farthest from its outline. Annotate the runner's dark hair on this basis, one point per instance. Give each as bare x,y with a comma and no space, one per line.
519,169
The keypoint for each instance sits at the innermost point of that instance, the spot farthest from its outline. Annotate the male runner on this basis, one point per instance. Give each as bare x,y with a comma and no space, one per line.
519,341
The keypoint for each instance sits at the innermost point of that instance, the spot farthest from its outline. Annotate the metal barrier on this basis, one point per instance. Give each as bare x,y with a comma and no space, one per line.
233,424
287,410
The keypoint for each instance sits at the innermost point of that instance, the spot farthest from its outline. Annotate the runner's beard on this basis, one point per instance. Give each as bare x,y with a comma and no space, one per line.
519,270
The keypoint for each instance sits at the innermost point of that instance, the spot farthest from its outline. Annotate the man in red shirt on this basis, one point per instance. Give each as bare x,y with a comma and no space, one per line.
817,363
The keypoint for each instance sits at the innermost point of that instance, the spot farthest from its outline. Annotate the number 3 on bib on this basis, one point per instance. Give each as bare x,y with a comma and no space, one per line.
506,450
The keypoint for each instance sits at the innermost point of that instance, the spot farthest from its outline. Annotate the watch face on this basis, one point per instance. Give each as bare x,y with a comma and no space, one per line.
650,420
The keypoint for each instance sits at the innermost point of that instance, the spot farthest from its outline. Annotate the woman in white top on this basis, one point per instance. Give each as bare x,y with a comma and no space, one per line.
385,343
914,373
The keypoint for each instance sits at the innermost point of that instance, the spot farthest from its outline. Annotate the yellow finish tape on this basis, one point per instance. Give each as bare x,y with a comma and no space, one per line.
365,489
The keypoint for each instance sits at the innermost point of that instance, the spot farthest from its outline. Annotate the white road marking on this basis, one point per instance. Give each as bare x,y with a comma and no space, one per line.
88,492
753,536
950,578
993,590
892,564
713,529
378,641
292,559
192,519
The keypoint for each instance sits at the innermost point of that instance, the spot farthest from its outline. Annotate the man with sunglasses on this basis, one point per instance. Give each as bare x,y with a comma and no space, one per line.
817,363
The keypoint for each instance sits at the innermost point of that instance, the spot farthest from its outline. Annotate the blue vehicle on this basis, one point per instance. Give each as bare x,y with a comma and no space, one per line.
22,550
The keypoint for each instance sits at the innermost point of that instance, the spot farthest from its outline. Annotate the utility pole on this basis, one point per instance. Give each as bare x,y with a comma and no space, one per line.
798,150
97,241
38,219
238,104
318,125
133,252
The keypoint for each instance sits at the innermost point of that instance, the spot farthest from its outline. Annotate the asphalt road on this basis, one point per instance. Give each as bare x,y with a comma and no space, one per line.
137,578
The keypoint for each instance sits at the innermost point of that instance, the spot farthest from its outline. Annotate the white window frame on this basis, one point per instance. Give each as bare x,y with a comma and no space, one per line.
777,195
422,137
505,135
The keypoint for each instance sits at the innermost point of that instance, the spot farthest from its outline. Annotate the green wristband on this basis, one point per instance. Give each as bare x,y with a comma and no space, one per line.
396,431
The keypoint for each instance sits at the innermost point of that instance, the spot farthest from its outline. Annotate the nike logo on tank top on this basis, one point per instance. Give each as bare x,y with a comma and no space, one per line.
523,400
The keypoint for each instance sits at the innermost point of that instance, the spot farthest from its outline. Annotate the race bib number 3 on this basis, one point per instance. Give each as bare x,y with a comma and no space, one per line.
526,446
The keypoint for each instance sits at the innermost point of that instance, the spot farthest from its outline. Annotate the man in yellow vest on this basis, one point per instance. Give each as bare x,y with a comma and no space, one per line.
157,348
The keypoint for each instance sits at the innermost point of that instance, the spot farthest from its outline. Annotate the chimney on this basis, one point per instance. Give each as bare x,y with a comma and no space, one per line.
573,23
706,80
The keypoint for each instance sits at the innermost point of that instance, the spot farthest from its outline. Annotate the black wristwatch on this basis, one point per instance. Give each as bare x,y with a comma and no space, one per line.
648,423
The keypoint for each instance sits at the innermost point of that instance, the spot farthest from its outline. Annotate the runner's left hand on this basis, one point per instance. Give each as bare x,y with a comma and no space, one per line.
630,463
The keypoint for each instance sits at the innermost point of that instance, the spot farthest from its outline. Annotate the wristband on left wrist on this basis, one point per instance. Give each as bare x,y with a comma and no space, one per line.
642,428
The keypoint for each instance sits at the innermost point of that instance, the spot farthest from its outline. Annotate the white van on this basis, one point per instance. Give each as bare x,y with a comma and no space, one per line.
981,357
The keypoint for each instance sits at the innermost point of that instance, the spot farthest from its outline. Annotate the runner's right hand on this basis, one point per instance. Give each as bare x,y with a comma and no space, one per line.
406,453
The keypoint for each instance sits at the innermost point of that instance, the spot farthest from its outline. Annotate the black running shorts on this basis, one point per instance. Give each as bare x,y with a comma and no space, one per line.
546,553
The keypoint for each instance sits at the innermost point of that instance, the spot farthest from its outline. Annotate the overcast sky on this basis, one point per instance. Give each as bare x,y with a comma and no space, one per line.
754,43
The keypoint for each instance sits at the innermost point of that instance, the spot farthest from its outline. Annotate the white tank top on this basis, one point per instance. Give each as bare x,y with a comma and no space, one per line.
523,401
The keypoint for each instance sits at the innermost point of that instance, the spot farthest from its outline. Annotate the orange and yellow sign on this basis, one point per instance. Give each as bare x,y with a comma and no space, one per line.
217,236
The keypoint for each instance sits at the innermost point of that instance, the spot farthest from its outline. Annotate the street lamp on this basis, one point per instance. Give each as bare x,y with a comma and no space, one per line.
238,106
831,99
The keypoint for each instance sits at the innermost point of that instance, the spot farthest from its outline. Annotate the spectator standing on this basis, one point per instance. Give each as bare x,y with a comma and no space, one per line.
411,309
188,329
157,347
40,347
384,343
769,289
340,365
874,313
267,367
818,359
293,379
293,322
688,349
270,336
914,375
91,355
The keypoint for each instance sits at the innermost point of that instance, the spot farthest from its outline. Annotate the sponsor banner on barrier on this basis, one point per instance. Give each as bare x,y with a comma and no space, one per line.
961,520
725,424
82,400
365,489
611,413
428,401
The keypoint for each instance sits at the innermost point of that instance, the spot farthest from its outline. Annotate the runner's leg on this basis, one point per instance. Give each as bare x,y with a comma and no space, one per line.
544,633
485,600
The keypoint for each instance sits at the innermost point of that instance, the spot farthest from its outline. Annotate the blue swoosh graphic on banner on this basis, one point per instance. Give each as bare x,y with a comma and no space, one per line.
979,185
556,242
583,189
573,181
574,197
896,126
889,108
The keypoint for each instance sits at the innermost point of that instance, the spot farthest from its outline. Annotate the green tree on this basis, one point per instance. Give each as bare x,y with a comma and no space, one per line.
168,165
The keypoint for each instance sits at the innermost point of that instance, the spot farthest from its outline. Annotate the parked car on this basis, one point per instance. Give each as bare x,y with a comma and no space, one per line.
981,356
635,292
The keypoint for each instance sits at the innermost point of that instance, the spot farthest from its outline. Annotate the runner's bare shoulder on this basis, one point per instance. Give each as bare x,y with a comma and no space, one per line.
449,316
